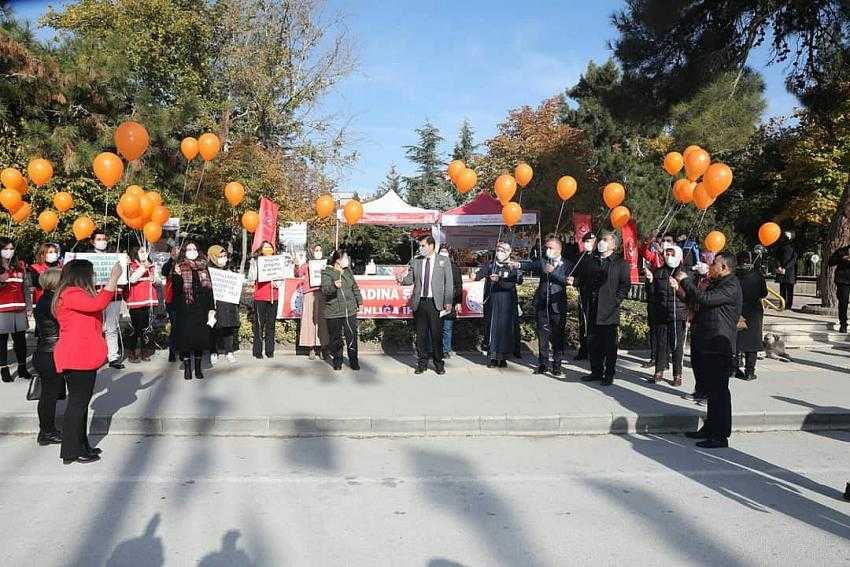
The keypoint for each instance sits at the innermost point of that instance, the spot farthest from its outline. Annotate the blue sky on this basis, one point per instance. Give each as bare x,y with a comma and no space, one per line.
446,61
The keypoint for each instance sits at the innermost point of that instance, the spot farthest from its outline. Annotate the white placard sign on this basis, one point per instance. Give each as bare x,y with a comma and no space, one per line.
293,236
314,271
102,262
274,268
226,285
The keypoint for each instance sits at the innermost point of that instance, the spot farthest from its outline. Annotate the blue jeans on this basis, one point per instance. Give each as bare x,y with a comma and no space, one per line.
448,326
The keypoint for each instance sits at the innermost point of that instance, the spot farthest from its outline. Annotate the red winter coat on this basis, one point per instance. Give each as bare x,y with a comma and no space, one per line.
81,345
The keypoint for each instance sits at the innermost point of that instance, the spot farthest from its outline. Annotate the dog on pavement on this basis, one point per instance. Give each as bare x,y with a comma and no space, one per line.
774,347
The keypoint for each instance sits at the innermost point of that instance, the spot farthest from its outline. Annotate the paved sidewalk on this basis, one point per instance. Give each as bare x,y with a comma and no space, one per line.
293,396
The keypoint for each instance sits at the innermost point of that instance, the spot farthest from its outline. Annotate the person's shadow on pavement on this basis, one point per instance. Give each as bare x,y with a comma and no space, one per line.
229,555
143,551
117,395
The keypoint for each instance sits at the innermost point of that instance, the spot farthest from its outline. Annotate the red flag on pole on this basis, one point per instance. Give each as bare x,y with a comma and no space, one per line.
630,248
267,229
583,224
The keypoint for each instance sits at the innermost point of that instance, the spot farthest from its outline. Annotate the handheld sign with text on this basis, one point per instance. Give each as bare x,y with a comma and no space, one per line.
274,268
314,271
102,262
226,285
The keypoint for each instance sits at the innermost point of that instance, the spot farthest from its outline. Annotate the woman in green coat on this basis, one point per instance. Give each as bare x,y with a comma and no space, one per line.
342,301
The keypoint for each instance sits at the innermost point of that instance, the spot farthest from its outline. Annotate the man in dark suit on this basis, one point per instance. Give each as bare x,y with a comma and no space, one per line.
550,303
433,292
607,278
786,269
715,337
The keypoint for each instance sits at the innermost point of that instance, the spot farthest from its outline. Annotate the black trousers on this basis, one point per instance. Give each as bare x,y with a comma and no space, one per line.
786,290
748,359
223,339
52,386
603,350
550,332
669,339
842,293
582,328
140,320
19,340
653,337
171,309
75,441
339,327
718,367
265,315
429,326
699,361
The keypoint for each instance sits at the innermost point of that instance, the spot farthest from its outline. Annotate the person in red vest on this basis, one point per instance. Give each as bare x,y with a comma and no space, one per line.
80,350
141,299
47,256
265,307
15,303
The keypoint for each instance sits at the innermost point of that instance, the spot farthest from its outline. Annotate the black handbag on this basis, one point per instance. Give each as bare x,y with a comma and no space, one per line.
34,389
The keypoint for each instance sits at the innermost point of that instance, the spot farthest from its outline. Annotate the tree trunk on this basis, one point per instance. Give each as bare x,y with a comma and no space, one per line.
839,235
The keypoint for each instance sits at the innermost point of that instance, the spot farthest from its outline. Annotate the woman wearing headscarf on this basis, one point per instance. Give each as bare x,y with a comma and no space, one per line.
500,305
314,331
15,303
224,339
753,290
342,301
195,309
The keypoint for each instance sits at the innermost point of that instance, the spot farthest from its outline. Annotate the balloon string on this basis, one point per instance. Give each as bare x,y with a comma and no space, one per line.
194,200
558,224
185,183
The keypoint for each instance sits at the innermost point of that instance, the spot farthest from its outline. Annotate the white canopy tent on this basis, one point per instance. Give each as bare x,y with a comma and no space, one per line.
392,210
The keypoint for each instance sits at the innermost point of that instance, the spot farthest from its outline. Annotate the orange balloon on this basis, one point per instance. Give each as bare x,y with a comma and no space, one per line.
352,211
48,220
22,185
505,187
466,180
23,213
208,145
10,199
12,178
152,232
40,171
523,174
613,194
155,197
690,149
83,227
715,241
620,216
160,215
683,191
189,148
131,139
148,204
455,169
717,179
567,187
234,192
511,213
136,223
131,205
250,220
702,200
63,201
769,233
135,190
696,163
673,163
325,205
108,168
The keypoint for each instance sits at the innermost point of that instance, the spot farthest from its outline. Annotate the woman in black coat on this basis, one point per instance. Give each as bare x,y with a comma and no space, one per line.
194,306
52,383
753,290
669,313
786,269
500,306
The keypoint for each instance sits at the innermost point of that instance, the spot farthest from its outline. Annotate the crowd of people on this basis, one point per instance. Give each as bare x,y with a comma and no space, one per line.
715,301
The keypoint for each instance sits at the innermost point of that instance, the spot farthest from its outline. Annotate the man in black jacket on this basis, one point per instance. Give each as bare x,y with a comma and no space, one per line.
715,337
841,260
550,303
786,269
588,249
607,278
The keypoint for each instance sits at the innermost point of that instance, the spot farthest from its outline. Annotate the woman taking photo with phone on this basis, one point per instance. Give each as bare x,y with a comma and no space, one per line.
80,350
342,300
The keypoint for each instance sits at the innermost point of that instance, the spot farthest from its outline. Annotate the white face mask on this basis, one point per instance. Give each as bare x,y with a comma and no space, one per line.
602,246
423,251
501,256
673,261
444,253
221,261
343,263
143,256
51,257
7,254
191,254
100,245
588,246
317,255
552,254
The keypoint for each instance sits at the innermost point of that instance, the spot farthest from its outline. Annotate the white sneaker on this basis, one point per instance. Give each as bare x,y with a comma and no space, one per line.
213,359
231,358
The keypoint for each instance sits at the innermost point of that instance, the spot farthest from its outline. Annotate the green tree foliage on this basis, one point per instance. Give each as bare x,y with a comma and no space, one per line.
429,187
465,146
392,182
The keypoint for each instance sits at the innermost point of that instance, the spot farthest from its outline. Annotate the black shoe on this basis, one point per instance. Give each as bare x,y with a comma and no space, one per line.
556,371
492,364
82,459
269,355
847,492
540,369
591,378
52,438
419,370
713,444
337,365
94,450
172,356
842,329
355,365
199,374
749,376
739,373
440,370
24,373
187,369
698,434
518,355
607,381
503,364
116,364
5,374
258,356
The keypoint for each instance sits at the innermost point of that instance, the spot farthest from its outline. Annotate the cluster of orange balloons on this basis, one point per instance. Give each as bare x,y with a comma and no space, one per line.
463,177
14,187
143,210
614,194
208,145
716,177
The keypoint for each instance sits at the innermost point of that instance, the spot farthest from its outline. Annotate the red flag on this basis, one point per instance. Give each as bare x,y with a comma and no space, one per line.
267,229
630,249
583,224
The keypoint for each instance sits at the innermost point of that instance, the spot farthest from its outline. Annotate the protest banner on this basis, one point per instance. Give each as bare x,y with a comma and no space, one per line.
226,285
274,268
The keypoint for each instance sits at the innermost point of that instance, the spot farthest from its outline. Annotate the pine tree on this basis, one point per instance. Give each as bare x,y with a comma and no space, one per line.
392,182
465,147
429,188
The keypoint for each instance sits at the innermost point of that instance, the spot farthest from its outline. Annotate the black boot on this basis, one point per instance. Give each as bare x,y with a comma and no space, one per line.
199,374
23,372
187,368
352,360
172,356
5,374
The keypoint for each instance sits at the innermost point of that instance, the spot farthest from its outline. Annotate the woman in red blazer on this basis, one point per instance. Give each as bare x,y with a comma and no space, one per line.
81,350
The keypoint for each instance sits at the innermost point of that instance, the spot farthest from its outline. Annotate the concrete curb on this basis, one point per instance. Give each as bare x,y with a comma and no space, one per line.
400,426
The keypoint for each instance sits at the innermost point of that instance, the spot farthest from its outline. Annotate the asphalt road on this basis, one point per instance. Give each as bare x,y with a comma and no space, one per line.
772,499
